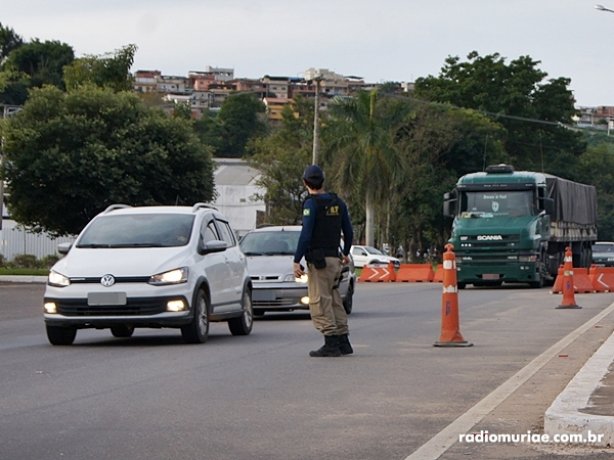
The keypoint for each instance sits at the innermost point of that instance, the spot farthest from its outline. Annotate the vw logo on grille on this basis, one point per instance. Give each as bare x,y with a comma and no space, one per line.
107,280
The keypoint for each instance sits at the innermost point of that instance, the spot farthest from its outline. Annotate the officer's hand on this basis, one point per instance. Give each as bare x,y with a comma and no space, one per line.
345,259
298,270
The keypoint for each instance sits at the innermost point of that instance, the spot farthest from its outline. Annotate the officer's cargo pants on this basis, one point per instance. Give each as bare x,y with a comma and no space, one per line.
325,304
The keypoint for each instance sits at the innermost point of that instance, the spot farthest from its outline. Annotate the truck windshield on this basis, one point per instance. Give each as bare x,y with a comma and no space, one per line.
502,203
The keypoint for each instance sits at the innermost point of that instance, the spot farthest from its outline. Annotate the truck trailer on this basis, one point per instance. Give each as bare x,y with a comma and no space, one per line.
513,226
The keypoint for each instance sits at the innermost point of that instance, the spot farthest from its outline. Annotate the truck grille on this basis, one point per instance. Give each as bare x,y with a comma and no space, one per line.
489,251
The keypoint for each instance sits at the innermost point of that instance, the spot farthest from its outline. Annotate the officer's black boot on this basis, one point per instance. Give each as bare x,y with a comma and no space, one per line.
329,349
345,347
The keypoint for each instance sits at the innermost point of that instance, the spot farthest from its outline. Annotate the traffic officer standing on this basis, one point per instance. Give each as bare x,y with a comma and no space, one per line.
325,217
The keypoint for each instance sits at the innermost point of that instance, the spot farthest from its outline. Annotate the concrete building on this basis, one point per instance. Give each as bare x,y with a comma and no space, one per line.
238,195
146,81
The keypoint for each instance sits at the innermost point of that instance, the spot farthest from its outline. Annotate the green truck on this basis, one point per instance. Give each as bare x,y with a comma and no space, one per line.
513,226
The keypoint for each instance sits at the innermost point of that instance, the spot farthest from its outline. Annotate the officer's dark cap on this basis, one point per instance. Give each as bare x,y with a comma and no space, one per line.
314,175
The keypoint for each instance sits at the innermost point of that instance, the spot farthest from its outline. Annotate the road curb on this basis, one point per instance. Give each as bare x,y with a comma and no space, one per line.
22,279
565,414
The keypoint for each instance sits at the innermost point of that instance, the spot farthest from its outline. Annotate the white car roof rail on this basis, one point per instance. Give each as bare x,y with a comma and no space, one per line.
198,206
113,207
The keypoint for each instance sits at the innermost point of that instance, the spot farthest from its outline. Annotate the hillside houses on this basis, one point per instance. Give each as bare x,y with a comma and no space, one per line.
206,90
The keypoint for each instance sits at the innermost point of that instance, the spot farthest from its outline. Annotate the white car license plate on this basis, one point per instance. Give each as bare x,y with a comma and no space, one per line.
263,296
106,298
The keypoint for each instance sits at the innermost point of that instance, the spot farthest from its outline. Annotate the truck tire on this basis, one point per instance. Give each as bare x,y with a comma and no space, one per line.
541,271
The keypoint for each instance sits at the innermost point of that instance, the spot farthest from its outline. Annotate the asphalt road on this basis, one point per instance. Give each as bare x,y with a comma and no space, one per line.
261,396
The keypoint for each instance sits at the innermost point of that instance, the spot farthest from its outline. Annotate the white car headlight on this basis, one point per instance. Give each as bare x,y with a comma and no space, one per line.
291,278
177,276
57,279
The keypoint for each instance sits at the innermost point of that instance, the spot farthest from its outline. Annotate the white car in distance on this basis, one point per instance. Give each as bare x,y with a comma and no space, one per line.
368,255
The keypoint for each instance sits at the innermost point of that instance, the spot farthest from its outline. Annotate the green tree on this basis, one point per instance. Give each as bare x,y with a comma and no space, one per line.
281,158
436,145
596,167
9,40
69,155
239,121
532,108
32,65
111,70
209,130
14,87
359,142
42,61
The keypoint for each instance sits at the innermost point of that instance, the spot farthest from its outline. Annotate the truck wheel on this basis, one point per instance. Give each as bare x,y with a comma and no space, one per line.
461,285
243,324
537,284
198,330
541,272
58,335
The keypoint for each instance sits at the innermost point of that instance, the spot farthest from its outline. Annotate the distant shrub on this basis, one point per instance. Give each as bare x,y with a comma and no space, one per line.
25,261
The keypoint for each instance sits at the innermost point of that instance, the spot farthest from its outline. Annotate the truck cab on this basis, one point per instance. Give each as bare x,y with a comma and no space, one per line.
507,228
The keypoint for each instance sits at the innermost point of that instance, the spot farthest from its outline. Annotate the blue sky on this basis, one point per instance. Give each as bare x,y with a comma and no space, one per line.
384,40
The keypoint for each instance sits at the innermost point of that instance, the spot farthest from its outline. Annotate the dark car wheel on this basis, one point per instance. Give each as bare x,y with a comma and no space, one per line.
349,299
122,331
198,330
58,335
242,325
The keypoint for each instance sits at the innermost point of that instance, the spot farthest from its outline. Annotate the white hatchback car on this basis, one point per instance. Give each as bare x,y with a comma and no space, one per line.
368,255
153,266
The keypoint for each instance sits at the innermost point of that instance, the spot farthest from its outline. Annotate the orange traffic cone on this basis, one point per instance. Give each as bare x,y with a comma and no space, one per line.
450,329
569,298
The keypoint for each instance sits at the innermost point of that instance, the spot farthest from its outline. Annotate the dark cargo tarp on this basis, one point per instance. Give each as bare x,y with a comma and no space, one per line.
573,202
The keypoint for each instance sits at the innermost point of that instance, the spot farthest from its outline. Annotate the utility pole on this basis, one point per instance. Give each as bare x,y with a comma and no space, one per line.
316,121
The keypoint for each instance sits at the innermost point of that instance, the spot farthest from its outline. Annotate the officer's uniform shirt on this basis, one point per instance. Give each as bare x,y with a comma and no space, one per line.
325,216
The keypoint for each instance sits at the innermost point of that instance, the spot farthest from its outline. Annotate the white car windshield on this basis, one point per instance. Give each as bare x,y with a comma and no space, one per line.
138,230
372,250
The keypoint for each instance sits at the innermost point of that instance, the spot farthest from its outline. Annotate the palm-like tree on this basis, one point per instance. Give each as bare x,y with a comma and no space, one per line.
361,132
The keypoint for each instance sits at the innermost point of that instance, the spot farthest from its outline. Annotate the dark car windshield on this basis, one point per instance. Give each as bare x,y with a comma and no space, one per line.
270,243
138,231
601,248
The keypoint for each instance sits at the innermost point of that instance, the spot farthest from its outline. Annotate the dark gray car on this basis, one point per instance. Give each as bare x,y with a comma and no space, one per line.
603,253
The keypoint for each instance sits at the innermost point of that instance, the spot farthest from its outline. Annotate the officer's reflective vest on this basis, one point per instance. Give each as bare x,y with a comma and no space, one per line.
327,227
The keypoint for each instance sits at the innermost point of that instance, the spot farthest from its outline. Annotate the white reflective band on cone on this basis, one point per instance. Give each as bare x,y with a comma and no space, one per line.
449,289
568,259
448,264
568,273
